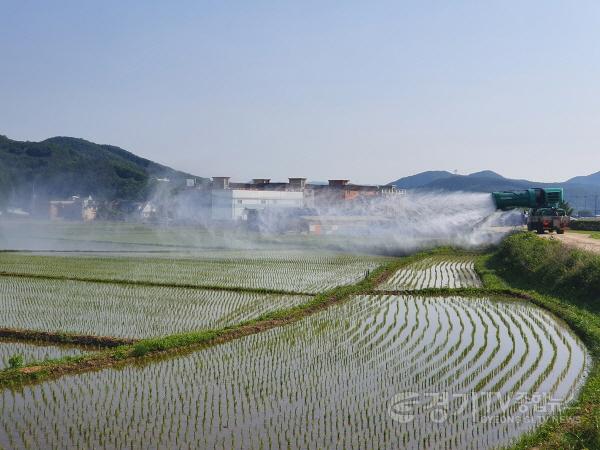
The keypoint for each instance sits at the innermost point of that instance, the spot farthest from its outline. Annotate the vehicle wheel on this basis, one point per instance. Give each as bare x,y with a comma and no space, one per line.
540,231
560,231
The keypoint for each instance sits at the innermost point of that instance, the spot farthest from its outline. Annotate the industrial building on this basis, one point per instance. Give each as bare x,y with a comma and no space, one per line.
340,194
233,201
234,204
262,205
263,199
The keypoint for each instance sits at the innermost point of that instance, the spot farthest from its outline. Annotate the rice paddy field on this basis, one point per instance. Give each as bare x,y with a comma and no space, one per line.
386,367
71,236
434,273
127,311
293,272
136,237
326,381
34,351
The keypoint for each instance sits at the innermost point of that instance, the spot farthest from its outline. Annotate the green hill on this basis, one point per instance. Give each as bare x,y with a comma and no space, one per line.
60,167
421,179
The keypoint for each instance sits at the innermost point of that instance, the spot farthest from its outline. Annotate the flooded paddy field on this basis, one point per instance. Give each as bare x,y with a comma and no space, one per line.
33,235
31,352
127,311
389,368
295,271
434,273
378,371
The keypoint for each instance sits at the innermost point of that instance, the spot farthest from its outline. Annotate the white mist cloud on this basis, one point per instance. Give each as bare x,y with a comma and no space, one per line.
393,225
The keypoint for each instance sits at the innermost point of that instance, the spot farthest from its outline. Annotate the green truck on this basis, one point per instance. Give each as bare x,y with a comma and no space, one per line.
543,205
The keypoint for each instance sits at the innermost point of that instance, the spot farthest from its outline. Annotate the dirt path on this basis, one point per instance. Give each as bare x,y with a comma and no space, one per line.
579,240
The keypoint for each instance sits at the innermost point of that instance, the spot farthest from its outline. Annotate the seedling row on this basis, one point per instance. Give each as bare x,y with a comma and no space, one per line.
24,352
432,273
330,380
128,311
294,272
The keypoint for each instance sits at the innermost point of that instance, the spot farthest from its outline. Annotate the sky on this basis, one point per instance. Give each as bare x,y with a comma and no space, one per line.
370,91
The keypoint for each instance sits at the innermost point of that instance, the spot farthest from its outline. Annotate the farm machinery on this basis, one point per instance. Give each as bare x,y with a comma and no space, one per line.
543,205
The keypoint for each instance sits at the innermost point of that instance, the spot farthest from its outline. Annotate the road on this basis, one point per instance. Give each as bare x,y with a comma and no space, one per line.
579,240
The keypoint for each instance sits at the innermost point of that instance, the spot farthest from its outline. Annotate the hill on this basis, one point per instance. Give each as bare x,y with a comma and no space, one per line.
593,179
421,179
484,181
60,167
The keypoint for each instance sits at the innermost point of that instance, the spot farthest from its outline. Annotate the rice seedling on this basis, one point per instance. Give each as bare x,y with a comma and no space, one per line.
434,272
295,271
24,352
330,380
128,311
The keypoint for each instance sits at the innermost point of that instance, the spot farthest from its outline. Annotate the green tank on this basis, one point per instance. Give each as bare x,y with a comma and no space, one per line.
528,198
544,212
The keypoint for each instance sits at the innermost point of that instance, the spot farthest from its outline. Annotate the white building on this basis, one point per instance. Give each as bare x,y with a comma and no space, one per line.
148,211
233,204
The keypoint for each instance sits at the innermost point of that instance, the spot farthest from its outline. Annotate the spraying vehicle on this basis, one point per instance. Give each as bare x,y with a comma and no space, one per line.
544,208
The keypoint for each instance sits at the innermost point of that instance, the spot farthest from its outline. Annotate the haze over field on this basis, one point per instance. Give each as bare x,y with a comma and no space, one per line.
392,226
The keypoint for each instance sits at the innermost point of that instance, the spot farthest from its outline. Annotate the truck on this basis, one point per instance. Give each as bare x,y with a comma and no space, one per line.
548,219
543,205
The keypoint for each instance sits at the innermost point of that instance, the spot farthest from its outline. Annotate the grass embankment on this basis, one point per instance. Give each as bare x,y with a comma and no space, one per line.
63,338
550,268
177,343
566,282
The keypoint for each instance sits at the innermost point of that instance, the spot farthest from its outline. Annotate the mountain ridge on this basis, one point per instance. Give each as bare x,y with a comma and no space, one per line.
580,191
62,166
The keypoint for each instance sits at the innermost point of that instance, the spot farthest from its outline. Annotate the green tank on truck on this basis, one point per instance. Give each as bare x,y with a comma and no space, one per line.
543,204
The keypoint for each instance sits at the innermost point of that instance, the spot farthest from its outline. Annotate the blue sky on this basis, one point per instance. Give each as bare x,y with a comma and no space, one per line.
369,91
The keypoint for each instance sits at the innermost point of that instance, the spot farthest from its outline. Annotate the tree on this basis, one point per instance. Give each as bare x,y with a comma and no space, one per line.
567,207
